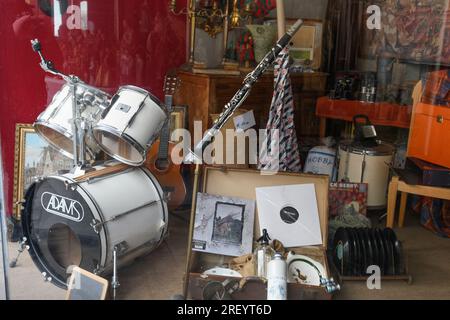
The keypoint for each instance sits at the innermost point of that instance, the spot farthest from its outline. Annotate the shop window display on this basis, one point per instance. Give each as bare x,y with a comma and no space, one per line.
99,96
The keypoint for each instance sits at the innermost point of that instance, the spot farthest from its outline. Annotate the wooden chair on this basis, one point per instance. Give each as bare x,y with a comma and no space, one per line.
398,185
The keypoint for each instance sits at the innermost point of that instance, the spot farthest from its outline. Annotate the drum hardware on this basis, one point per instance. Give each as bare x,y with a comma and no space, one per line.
115,279
22,246
77,122
46,279
97,225
363,168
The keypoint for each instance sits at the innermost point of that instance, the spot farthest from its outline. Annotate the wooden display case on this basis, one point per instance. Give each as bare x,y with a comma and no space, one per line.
242,183
207,94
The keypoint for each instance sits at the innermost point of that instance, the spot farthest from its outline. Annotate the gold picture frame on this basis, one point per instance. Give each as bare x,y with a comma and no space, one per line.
33,157
307,42
178,120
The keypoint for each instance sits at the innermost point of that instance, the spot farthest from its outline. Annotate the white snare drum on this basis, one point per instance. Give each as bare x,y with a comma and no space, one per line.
369,165
131,125
54,123
78,220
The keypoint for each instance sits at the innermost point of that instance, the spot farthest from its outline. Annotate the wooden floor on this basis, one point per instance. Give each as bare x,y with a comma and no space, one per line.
159,275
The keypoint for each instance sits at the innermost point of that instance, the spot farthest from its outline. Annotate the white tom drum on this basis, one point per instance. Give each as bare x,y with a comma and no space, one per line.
130,125
369,165
54,124
79,220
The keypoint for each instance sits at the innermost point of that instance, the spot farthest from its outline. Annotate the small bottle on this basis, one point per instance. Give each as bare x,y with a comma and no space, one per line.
262,255
276,278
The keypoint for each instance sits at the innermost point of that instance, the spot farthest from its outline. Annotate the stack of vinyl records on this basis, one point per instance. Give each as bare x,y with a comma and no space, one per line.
356,249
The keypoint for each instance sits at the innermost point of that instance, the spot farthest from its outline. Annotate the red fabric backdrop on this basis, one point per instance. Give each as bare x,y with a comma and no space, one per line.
126,42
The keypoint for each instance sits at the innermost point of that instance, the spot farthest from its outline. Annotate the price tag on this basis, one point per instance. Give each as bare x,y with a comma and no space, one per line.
244,121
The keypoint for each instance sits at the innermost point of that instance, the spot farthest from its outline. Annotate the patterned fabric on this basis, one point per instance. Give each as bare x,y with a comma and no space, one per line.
434,214
279,150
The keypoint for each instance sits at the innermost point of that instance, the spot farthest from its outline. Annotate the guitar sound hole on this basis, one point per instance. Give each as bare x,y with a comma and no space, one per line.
162,164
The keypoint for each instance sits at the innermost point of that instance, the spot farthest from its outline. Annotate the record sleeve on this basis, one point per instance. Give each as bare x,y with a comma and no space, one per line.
223,225
290,214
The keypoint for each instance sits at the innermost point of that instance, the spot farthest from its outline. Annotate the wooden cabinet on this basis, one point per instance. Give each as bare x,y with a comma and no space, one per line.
206,94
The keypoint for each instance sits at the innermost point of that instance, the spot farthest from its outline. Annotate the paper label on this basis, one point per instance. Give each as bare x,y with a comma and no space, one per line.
244,121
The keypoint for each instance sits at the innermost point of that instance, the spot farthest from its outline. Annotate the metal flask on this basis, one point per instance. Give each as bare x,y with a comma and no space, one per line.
276,278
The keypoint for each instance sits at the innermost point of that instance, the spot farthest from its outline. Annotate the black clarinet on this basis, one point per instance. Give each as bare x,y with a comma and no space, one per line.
240,96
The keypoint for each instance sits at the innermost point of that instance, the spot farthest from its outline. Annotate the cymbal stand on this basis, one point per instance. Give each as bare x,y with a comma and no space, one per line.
22,246
78,123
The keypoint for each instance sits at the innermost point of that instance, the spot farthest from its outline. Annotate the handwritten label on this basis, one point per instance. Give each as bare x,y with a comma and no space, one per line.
244,121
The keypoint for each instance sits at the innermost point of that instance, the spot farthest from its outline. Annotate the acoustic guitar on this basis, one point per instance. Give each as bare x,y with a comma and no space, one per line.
158,158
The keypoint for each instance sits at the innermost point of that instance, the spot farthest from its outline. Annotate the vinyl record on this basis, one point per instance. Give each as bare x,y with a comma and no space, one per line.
368,247
399,265
384,249
365,250
381,251
343,251
360,253
390,261
352,262
374,247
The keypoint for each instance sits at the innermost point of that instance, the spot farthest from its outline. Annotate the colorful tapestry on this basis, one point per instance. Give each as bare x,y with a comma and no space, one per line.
416,31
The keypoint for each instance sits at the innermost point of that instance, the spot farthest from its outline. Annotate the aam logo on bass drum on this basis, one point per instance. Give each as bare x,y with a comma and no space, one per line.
62,206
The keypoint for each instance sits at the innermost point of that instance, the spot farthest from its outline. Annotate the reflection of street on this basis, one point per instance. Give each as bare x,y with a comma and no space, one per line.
50,162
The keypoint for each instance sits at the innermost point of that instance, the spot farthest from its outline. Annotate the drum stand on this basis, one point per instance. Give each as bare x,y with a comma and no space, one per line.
22,246
78,123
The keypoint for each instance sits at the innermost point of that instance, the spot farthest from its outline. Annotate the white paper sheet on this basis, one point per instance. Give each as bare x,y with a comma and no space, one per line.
290,214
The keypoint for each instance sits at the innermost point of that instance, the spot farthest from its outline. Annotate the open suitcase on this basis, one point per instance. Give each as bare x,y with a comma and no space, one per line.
242,183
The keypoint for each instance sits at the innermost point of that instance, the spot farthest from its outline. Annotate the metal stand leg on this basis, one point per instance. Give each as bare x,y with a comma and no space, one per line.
22,247
115,280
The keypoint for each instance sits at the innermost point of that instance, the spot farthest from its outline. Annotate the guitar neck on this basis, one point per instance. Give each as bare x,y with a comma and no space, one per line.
163,151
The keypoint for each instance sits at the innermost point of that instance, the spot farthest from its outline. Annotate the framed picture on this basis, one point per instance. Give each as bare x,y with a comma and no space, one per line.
178,120
223,225
34,157
307,43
